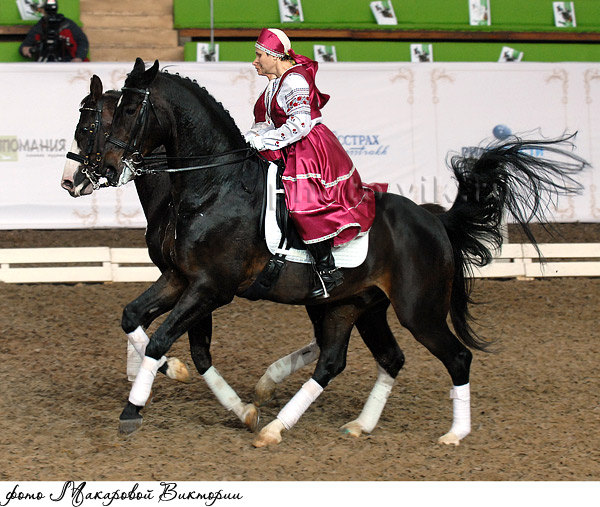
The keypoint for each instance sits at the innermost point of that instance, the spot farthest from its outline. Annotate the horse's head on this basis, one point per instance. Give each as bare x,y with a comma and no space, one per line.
135,126
81,172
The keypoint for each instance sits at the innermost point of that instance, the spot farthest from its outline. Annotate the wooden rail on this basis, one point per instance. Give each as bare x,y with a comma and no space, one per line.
386,35
15,29
104,264
402,35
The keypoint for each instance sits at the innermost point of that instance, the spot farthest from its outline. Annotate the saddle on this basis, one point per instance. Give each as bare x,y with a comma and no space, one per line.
284,241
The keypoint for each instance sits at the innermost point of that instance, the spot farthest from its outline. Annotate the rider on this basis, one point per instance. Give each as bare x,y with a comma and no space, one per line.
327,200
260,114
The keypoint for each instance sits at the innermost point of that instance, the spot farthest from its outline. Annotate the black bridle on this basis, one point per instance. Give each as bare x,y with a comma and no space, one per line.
92,157
138,165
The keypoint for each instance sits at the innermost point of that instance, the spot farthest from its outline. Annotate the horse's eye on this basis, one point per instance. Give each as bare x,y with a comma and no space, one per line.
130,110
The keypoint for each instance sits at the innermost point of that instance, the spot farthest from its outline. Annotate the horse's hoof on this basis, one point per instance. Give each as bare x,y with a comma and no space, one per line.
177,370
129,426
130,419
251,417
263,392
353,429
269,435
449,438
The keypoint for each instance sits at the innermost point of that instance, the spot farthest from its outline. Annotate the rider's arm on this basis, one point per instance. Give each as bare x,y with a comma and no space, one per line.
293,98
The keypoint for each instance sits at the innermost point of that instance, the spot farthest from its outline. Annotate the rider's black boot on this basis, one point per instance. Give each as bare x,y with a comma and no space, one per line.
328,277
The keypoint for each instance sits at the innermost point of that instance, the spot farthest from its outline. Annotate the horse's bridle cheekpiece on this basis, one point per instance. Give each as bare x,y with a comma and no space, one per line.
134,163
92,157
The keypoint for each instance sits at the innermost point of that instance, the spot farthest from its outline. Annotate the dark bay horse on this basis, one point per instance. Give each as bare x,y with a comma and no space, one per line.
154,192
419,262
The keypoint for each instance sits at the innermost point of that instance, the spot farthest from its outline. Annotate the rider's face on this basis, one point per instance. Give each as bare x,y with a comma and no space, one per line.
264,63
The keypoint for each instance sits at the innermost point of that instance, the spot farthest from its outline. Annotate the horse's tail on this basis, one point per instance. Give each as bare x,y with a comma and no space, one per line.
507,177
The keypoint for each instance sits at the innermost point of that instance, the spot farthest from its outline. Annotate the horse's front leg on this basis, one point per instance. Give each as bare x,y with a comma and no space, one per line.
195,304
200,335
159,298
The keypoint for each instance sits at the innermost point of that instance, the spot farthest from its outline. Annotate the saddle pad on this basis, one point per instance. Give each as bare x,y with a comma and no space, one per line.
348,255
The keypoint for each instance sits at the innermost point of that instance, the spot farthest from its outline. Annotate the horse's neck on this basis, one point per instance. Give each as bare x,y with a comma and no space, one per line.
154,193
219,188
200,129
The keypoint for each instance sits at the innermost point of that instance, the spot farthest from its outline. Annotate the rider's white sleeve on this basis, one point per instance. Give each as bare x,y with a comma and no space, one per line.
293,98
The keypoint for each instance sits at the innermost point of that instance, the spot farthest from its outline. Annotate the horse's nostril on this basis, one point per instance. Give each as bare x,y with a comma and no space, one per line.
67,184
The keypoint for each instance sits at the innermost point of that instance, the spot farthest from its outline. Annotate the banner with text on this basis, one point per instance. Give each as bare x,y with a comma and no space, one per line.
398,121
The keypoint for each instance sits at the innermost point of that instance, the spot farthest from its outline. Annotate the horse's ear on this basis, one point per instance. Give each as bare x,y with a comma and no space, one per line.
142,77
139,66
95,87
150,74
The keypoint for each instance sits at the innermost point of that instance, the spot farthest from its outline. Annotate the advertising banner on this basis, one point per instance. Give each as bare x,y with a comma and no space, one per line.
398,121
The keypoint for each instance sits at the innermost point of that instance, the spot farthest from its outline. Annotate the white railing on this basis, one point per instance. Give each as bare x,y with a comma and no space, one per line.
104,264
517,260
64,265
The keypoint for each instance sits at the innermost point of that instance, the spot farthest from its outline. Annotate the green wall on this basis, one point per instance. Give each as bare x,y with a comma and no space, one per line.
366,51
520,15
9,52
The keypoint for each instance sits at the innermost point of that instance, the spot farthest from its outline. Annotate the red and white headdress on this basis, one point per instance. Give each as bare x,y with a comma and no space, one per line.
273,42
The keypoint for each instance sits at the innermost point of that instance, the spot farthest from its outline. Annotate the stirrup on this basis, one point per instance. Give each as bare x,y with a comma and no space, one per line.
326,281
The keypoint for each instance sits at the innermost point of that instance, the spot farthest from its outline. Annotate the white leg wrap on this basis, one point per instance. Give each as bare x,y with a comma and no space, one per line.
223,391
287,365
139,339
290,414
371,412
133,362
136,350
142,385
461,409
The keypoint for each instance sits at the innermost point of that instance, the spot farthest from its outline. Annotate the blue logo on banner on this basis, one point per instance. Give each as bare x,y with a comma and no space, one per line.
362,144
501,132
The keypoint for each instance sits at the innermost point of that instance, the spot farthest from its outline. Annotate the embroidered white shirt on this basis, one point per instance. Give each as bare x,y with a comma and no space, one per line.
258,127
293,98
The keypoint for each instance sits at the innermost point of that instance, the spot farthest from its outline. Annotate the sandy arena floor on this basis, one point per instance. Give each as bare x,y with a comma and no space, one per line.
535,402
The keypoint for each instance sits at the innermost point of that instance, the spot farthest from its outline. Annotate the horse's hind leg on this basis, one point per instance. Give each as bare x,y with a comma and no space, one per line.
284,367
200,336
281,369
378,337
429,327
333,325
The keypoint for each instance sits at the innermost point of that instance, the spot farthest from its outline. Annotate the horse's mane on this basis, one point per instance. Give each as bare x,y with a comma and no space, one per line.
206,99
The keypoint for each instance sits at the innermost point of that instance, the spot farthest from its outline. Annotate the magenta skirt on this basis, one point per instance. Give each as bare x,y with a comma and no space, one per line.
323,189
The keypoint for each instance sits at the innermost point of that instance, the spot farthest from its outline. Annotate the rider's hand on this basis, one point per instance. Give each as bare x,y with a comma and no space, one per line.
256,142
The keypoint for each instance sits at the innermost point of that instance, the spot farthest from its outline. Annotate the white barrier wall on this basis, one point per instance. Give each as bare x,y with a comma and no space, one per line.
398,121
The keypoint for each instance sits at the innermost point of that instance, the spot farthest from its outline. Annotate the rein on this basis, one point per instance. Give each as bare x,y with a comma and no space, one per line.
138,165
141,165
